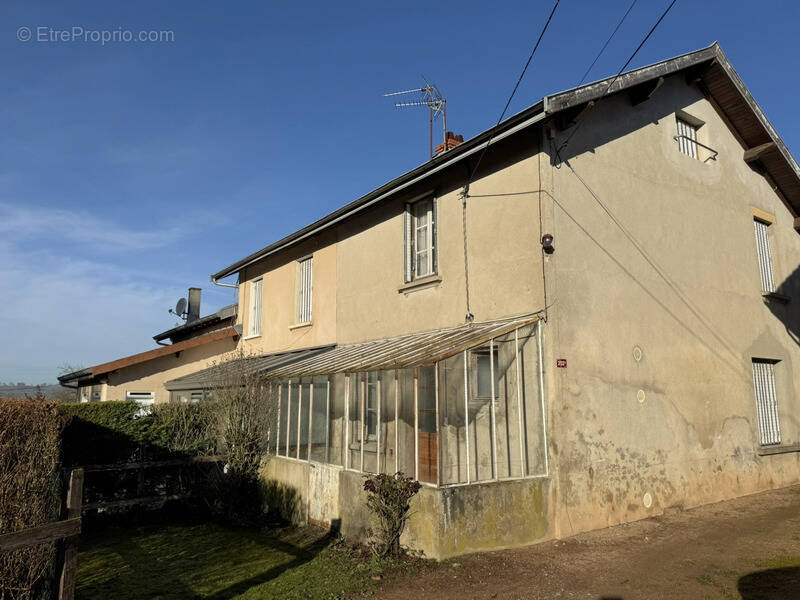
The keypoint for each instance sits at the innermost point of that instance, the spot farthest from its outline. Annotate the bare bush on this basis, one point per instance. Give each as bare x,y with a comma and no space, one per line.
389,497
245,404
29,491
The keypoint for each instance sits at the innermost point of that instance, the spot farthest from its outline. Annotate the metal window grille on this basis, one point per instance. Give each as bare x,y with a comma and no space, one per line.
196,396
764,256
304,290
255,307
766,402
687,138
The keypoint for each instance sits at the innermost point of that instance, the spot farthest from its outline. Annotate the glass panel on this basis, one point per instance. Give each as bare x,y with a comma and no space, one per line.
506,409
336,439
319,424
480,422
283,418
293,417
405,424
428,438
353,444
305,405
387,423
529,374
452,438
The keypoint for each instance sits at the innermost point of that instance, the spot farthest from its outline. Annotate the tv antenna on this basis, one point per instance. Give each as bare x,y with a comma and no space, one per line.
180,309
432,98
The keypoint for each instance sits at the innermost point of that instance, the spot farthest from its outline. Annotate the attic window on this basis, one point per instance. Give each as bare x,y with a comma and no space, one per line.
687,135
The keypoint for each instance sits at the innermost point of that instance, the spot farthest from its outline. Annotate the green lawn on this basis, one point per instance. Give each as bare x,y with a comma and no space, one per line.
210,561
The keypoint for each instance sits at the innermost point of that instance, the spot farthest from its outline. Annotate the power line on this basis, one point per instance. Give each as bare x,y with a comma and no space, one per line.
511,97
625,66
608,41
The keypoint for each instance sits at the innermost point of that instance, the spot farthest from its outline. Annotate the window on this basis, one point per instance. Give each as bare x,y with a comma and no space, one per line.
254,326
687,137
482,371
371,408
143,398
420,239
764,256
305,288
766,402
96,396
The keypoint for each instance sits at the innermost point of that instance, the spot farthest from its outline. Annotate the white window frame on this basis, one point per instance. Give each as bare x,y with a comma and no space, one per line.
687,137
415,233
305,290
765,266
254,313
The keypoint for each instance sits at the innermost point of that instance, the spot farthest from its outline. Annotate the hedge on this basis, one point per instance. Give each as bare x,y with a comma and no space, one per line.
110,432
30,492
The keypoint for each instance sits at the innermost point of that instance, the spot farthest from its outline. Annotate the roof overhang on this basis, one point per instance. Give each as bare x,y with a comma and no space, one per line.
708,67
87,375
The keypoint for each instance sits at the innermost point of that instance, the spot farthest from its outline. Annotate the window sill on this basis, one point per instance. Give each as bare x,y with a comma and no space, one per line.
775,296
251,337
785,449
420,284
300,325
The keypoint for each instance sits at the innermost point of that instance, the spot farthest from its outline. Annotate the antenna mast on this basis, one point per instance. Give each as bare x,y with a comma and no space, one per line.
432,98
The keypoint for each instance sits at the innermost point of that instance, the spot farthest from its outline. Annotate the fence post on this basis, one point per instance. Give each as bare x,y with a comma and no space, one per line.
66,586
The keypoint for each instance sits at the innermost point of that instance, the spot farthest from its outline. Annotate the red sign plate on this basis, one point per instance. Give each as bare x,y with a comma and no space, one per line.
561,363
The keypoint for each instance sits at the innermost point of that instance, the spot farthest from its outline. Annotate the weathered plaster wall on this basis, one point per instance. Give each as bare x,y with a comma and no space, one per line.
445,522
677,277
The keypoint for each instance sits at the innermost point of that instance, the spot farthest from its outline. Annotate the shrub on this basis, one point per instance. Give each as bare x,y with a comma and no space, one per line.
389,497
29,492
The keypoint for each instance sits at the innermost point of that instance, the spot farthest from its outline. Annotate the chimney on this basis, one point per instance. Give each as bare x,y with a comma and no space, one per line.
194,305
451,141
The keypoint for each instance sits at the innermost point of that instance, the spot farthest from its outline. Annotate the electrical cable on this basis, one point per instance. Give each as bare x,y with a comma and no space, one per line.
514,91
608,41
625,66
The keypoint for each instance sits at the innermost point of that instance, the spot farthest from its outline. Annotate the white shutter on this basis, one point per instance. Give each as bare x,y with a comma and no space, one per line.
764,256
408,244
256,296
766,402
434,240
305,290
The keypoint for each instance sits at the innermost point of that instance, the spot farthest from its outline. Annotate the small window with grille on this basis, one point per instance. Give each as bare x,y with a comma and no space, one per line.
687,137
764,256
769,427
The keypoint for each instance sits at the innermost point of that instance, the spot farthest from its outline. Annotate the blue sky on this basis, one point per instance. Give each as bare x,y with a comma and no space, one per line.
131,171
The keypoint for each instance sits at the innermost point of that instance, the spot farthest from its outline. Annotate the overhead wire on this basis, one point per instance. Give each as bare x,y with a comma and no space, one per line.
625,66
608,41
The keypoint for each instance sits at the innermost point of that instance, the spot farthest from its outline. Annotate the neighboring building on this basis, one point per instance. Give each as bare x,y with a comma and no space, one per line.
578,318
194,345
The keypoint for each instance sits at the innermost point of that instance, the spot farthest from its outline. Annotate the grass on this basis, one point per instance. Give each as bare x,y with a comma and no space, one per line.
169,562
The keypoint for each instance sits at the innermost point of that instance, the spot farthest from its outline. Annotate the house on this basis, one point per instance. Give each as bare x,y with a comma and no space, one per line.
193,345
580,317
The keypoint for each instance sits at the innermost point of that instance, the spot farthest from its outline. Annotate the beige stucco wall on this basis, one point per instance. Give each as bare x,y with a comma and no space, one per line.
685,288
279,295
151,376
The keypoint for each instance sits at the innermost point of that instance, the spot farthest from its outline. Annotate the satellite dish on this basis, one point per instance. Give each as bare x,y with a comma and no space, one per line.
180,307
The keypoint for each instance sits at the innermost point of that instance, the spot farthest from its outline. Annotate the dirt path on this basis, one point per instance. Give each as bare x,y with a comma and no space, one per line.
745,548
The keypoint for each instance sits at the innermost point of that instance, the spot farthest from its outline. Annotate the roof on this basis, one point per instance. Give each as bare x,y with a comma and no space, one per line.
412,350
217,375
142,357
226,312
709,67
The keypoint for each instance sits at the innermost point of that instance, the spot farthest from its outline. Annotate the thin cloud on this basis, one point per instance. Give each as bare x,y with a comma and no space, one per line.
26,223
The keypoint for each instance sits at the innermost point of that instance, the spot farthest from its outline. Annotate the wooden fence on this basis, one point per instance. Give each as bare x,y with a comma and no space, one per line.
69,528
